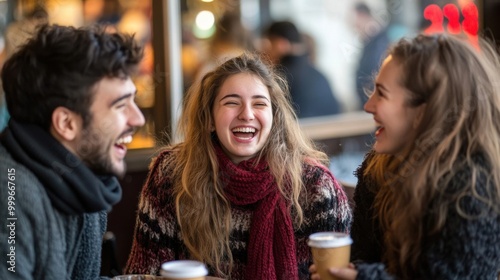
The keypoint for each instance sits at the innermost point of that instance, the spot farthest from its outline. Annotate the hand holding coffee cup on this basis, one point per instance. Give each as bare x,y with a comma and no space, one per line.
330,249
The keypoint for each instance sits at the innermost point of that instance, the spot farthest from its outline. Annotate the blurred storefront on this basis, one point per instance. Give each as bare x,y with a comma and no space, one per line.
180,37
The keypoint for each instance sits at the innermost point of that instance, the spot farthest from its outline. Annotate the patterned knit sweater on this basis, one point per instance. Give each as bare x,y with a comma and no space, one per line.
157,237
464,249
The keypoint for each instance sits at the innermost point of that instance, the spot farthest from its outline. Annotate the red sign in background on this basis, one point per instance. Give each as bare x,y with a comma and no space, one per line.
468,23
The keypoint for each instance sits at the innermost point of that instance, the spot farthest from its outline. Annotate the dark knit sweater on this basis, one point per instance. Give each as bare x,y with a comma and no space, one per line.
57,209
157,236
48,243
464,249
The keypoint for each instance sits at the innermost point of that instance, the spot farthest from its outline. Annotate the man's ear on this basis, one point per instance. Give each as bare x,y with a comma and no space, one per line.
66,124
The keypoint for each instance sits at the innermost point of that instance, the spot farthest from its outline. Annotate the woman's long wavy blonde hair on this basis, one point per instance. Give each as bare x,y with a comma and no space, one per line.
460,85
203,212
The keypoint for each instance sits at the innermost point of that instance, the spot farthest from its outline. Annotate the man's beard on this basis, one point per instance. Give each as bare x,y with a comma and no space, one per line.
94,151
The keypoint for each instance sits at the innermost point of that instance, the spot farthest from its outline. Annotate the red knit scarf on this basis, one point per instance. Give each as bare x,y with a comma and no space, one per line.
271,249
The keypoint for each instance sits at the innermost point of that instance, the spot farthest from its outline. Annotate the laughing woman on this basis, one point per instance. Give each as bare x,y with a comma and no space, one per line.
244,189
428,196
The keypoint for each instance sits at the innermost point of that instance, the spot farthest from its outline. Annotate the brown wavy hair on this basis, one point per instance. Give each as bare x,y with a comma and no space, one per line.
203,212
458,82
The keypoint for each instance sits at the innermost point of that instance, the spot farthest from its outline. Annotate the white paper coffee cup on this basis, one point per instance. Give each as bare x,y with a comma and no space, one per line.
330,249
183,269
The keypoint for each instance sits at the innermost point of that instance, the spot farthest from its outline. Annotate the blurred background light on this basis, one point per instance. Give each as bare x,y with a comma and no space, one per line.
204,26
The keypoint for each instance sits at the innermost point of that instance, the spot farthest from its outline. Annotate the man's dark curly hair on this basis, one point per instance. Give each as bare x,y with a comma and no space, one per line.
60,65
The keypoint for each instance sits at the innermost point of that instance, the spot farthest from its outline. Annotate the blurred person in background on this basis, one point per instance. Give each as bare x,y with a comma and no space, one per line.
71,101
244,189
375,40
310,90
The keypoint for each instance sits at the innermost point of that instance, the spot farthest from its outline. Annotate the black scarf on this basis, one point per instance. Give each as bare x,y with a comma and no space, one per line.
72,187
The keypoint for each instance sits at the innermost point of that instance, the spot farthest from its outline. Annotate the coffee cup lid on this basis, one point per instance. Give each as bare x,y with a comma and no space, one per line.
183,269
329,239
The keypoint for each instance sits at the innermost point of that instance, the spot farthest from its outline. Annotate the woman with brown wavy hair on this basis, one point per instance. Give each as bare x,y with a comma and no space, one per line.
244,189
428,195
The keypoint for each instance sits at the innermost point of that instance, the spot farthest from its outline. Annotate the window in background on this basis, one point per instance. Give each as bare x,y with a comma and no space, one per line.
350,39
129,16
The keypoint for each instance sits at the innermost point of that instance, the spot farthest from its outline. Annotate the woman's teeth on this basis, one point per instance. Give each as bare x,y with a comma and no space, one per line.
379,130
244,129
